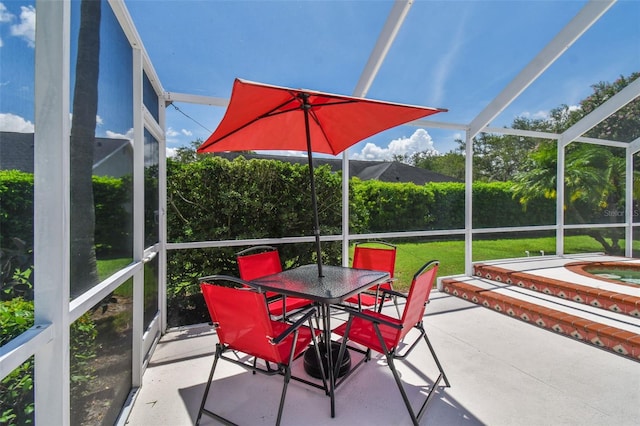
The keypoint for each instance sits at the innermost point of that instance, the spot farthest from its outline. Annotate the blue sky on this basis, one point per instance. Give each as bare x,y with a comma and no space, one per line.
452,54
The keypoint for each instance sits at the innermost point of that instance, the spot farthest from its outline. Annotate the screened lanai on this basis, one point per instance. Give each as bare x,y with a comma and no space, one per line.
96,95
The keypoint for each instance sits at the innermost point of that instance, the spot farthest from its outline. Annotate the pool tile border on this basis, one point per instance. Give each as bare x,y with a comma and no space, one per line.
605,299
613,339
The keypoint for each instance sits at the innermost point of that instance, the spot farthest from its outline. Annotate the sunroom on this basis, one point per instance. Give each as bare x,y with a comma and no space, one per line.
92,259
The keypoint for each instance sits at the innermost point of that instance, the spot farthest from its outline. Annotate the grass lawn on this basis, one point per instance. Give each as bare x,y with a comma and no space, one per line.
109,266
411,256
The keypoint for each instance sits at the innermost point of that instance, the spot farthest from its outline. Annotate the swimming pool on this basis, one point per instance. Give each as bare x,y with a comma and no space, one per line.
619,272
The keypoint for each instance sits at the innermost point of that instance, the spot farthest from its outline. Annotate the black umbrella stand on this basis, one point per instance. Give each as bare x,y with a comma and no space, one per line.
306,106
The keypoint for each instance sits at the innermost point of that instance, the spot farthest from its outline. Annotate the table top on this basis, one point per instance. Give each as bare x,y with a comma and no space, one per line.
336,284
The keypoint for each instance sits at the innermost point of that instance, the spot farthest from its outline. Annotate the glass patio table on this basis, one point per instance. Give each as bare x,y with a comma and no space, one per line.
336,284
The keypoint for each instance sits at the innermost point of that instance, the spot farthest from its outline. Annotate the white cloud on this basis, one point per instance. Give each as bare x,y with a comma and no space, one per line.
187,132
114,135
26,29
171,133
419,141
5,16
14,123
171,152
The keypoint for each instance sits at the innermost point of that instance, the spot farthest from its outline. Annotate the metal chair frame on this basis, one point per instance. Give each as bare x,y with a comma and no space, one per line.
374,294
283,366
402,327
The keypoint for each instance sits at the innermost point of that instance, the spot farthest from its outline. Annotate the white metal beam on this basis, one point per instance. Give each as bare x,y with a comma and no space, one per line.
391,27
587,16
439,125
20,349
170,97
635,146
599,114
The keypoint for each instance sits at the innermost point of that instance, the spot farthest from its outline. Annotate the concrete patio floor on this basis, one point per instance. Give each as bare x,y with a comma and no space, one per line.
502,372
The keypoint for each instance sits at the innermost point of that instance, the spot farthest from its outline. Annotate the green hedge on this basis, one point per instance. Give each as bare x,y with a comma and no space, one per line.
441,205
112,203
16,208
218,199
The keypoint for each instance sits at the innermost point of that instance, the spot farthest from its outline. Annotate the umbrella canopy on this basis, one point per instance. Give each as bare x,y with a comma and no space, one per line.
266,117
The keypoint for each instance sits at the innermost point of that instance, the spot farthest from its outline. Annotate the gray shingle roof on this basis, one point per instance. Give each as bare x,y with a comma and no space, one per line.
385,171
16,150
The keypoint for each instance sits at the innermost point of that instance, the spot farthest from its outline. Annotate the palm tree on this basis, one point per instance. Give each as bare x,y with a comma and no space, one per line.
594,175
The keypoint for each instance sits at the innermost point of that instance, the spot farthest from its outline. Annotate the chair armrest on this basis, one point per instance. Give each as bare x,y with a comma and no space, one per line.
386,291
229,278
309,312
374,319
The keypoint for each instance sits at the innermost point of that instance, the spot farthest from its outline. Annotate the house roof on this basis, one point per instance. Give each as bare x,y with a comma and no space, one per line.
16,151
22,157
385,171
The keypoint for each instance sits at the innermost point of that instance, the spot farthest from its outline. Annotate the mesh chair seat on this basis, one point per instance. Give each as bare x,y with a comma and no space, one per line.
360,331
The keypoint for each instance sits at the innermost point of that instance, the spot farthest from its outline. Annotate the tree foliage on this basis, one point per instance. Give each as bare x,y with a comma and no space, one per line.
449,164
594,178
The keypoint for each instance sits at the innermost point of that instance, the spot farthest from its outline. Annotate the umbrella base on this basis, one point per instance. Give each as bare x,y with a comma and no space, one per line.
311,362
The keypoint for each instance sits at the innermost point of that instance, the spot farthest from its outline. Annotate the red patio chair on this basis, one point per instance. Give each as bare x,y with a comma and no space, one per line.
243,325
384,334
259,261
379,256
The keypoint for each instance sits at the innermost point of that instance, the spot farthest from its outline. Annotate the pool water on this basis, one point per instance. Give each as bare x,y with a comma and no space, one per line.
630,276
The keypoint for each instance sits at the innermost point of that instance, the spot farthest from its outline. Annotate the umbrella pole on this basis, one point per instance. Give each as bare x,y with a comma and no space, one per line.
314,203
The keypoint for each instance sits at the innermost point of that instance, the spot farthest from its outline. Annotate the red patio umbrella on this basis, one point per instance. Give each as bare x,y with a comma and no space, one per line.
266,117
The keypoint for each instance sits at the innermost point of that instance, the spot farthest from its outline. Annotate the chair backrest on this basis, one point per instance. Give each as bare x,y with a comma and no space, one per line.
418,296
241,318
255,265
376,257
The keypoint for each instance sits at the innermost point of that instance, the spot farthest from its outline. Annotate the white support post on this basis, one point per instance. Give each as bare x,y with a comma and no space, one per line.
468,202
138,217
51,210
162,217
345,208
628,189
560,200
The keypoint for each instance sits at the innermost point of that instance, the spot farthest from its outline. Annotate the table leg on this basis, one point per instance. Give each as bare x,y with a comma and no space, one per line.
327,342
